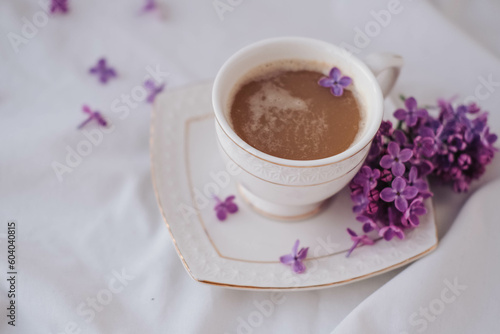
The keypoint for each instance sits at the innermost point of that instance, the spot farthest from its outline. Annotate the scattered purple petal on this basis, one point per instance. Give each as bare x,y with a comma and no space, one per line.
103,71
362,239
149,5
335,81
153,90
93,115
59,6
296,258
154,8
222,208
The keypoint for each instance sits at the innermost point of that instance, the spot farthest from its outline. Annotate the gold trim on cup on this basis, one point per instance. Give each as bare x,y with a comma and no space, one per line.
289,185
292,166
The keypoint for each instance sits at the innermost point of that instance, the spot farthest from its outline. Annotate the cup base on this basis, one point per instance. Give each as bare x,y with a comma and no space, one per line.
279,211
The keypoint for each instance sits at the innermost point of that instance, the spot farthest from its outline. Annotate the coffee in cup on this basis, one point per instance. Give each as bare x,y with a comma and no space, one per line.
279,108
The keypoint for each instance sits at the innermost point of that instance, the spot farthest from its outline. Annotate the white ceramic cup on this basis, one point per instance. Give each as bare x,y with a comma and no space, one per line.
294,189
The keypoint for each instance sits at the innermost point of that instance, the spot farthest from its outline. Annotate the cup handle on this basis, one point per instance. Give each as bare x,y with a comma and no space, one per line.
386,67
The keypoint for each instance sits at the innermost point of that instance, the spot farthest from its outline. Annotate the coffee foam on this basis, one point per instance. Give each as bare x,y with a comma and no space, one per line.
277,106
282,100
273,98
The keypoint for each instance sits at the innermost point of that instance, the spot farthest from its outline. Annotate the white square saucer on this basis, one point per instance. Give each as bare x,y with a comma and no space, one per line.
243,251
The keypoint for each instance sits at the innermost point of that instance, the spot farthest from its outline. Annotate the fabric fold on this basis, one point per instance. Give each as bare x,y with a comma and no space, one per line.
446,291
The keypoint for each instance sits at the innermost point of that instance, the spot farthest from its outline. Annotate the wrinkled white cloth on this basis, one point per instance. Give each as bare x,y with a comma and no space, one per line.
93,254
440,293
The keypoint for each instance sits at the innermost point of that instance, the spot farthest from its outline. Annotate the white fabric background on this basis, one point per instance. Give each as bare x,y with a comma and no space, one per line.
103,217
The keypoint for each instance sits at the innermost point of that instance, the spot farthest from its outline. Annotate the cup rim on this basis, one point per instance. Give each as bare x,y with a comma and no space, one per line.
366,139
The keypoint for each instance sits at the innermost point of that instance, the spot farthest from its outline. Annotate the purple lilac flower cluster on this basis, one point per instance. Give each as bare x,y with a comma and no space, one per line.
462,143
389,190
